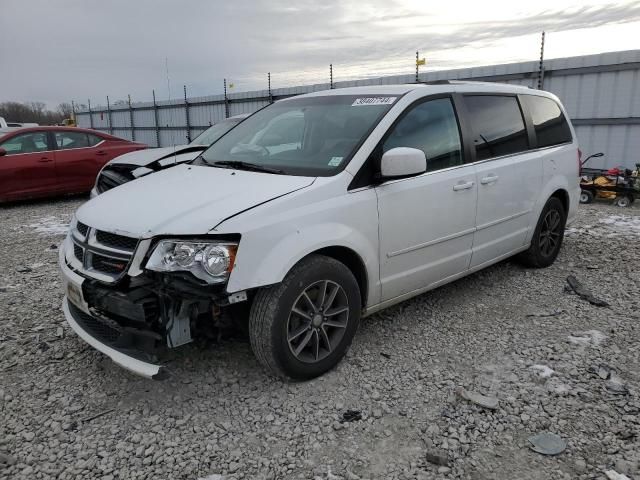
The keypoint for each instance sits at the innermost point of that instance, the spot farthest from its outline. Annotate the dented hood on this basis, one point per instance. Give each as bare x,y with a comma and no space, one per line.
143,158
184,200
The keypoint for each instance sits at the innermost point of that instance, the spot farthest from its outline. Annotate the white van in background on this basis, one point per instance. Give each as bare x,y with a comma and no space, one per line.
368,197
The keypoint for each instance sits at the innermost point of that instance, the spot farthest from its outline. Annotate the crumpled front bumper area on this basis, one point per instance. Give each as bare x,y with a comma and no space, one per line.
104,338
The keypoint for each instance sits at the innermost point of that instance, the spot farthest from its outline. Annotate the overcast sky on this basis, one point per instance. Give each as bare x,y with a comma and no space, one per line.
58,50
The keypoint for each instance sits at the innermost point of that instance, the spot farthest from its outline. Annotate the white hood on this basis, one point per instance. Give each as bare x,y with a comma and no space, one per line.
143,158
184,200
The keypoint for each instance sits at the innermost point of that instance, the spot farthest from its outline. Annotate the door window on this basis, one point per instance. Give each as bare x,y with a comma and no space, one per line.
93,139
497,124
431,127
26,143
548,121
68,140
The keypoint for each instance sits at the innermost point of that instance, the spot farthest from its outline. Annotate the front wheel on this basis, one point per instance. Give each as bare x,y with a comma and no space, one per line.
547,237
303,326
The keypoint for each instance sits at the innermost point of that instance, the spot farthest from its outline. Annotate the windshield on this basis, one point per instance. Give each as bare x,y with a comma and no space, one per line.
214,132
312,136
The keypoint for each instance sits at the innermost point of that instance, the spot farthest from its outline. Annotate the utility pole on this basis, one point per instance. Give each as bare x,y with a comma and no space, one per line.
226,100
541,66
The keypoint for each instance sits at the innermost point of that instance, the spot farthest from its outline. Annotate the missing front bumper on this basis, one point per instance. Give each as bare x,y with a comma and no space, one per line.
124,358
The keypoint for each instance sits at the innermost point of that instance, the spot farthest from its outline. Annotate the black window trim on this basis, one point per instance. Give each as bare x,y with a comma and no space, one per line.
527,112
359,182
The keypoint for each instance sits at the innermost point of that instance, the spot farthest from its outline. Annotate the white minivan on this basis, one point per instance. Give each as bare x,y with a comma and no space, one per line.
317,211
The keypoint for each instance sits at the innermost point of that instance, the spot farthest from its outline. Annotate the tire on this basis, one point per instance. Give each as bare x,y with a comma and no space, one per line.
622,201
277,333
543,253
586,196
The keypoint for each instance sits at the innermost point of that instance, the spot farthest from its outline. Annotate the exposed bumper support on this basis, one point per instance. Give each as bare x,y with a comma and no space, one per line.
145,369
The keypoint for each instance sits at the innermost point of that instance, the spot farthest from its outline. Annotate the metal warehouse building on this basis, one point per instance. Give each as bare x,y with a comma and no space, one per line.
601,93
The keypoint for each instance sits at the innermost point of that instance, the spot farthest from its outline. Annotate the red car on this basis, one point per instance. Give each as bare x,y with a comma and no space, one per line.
45,161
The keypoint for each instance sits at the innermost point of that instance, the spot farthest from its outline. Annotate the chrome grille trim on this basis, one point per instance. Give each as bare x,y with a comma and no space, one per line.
92,250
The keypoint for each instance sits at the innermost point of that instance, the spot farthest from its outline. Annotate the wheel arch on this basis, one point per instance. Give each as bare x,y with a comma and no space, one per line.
562,195
353,262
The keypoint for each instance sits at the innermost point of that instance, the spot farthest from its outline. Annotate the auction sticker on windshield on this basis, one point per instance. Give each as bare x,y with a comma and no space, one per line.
373,101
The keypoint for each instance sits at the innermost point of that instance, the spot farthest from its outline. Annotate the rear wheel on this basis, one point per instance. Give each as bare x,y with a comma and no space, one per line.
622,201
548,235
586,196
303,326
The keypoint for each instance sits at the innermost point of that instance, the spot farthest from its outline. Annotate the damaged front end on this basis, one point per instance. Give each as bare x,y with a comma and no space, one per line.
136,315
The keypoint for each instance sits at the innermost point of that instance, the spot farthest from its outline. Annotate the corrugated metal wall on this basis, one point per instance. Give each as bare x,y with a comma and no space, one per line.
600,92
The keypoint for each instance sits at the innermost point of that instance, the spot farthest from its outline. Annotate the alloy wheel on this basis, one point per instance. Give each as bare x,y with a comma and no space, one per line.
550,233
317,321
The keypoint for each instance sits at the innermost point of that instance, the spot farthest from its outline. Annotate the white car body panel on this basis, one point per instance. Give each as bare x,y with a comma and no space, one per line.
149,155
207,196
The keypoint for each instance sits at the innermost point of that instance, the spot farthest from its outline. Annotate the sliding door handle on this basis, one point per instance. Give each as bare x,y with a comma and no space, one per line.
489,179
462,186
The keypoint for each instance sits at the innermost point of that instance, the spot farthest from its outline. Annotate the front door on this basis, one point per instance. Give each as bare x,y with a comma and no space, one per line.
426,222
28,168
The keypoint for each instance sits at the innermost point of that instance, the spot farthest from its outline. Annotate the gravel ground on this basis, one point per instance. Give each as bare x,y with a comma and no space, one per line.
554,362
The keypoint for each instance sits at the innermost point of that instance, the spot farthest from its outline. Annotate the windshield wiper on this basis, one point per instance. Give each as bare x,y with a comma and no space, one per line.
240,165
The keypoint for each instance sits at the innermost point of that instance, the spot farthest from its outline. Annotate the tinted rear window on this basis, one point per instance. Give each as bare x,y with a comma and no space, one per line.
548,120
497,124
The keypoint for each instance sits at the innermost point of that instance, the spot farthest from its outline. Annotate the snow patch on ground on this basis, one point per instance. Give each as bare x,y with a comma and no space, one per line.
49,225
587,338
543,370
609,226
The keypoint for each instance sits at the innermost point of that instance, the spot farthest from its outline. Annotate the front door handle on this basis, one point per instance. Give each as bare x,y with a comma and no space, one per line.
489,179
462,186
45,160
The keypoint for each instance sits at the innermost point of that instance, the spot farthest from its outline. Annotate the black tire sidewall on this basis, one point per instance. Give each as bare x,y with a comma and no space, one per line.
541,260
302,279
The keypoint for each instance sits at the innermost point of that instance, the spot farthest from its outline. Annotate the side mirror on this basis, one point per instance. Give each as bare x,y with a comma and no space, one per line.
3,152
597,155
402,162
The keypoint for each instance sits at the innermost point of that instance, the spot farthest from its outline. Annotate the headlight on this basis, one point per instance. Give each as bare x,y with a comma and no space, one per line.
208,261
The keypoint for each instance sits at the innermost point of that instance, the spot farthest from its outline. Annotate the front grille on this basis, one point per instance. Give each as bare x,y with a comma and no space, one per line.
82,228
116,241
78,252
102,255
106,333
107,264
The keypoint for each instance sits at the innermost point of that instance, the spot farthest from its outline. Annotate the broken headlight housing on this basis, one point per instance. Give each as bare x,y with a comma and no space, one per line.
208,261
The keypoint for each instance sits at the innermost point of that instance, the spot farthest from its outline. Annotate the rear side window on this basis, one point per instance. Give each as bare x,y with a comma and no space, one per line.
93,139
68,140
433,128
497,124
548,121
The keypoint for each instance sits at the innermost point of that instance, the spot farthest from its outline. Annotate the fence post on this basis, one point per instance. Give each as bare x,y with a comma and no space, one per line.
133,128
73,112
269,82
155,117
186,114
109,116
331,75
226,100
417,62
541,66
90,115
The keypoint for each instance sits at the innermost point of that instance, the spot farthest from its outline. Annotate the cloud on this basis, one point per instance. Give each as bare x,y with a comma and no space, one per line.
79,49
